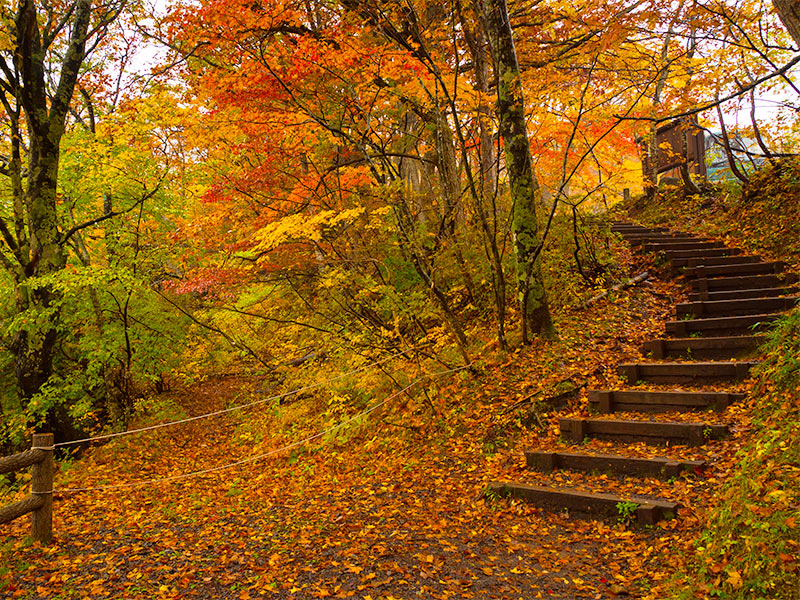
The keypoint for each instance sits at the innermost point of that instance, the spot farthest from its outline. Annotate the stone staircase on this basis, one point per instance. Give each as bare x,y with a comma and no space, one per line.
733,298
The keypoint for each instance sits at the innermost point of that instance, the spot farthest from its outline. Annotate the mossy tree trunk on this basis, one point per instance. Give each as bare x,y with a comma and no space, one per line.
33,244
534,309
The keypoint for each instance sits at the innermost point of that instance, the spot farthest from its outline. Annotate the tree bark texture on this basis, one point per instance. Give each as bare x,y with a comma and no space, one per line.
36,248
789,14
534,309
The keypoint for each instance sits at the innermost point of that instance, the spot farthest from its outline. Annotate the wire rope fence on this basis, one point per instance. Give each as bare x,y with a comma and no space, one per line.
40,456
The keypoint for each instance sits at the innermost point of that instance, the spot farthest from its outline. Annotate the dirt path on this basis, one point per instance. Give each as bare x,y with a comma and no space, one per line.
379,511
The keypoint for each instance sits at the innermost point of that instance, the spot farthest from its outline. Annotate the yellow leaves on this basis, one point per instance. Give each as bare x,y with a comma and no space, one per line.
355,569
734,578
680,82
777,495
377,219
97,583
303,227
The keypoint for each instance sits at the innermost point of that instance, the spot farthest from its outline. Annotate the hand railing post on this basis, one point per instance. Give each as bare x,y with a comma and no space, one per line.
42,486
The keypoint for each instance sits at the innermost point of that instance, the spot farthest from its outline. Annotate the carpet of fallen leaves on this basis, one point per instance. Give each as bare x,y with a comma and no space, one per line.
390,507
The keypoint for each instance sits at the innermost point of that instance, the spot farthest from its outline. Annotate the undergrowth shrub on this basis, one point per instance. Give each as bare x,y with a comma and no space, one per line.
577,261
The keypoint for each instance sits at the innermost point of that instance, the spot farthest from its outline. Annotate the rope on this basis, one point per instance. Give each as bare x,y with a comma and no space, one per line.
266,454
229,410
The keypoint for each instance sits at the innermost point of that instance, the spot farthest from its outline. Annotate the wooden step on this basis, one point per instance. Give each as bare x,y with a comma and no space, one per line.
647,512
742,294
649,432
665,468
686,373
639,231
734,270
640,240
721,326
658,234
714,261
656,401
742,282
666,246
631,227
704,348
673,255
731,308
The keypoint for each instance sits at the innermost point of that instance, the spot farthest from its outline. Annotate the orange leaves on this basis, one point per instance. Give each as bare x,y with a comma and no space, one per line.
397,520
288,109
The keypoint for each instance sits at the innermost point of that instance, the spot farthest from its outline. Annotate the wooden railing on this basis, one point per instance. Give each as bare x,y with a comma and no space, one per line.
40,500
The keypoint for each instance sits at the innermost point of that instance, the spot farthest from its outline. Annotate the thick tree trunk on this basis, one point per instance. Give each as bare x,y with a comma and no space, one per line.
789,14
534,309
37,246
33,361
33,348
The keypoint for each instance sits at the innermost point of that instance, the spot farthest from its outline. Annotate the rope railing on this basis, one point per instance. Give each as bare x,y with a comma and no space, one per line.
225,411
40,456
264,455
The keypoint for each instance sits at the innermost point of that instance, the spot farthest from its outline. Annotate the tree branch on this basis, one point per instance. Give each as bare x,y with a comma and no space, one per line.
743,90
109,215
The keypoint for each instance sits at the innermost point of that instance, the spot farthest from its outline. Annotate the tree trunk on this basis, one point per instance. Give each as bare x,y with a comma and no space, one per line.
33,348
534,309
757,130
36,246
726,143
789,14
452,211
486,191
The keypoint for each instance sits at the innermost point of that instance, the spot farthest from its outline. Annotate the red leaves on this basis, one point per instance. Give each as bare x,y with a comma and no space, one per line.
209,281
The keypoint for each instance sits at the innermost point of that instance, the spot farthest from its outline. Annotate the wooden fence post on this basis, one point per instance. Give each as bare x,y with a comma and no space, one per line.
42,486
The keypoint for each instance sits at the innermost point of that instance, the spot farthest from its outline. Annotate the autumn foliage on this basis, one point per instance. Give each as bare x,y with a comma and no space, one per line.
294,192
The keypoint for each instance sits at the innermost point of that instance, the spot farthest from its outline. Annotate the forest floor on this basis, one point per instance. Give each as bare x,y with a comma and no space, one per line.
393,506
